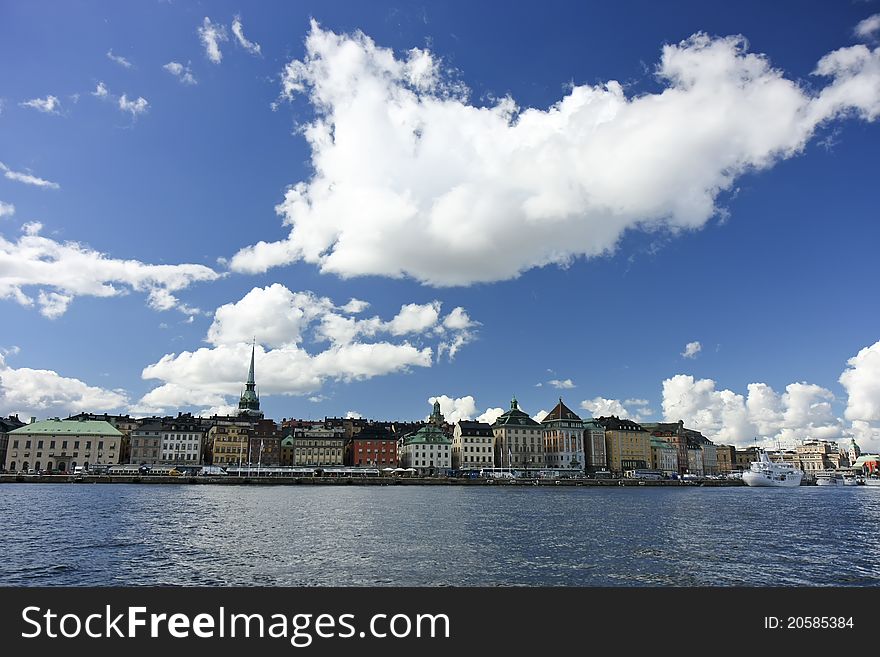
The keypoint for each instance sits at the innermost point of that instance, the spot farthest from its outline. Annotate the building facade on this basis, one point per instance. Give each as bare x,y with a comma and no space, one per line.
265,443
594,445
627,444
664,456
473,445
519,440
183,442
228,444
563,435
371,446
429,449
318,447
6,425
146,444
61,445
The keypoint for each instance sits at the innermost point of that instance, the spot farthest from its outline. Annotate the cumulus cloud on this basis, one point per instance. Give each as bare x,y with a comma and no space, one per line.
802,412
212,35
600,406
238,31
134,107
540,415
61,271
861,380
691,349
353,415
410,179
868,28
27,178
32,392
303,341
122,61
181,72
567,384
48,105
6,209
100,90
490,415
455,409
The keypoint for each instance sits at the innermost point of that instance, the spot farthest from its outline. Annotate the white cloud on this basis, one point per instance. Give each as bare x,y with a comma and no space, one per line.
567,384
691,349
48,105
238,31
181,72
6,209
869,27
455,409
62,271
353,415
802,412
412,180
211,35
287,326
100,90
355,306
27,178
600,406
540,415
490,415
861,380
122,61
134,107
30,392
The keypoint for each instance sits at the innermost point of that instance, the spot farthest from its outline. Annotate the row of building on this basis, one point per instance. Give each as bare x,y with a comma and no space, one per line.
562,442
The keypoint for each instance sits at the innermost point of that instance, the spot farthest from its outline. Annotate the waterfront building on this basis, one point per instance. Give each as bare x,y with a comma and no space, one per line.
664,456
182,442
6,425
317,446
817,455
695,460
473,445
725,456
265,443
228,444
685,440
627,444
563,435
249,403
372,446
146,444
124,423
429,449
745,457
287,451
519,440
867,463
594,446
62,445
854,451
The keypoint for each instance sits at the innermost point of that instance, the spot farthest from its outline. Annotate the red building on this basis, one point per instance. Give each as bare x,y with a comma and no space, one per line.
373,446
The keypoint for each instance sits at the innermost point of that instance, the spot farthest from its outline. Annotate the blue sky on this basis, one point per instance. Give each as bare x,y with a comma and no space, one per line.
693,206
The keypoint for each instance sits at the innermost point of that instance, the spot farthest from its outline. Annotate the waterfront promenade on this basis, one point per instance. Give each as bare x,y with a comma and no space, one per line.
348,481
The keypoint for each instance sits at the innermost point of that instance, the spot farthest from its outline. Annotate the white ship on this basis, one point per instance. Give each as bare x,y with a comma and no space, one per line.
766,473
829,479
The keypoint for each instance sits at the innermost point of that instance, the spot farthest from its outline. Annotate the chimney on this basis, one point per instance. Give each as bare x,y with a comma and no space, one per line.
33,419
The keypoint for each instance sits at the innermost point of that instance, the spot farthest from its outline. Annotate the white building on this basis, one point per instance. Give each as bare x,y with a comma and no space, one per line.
563,438
472,445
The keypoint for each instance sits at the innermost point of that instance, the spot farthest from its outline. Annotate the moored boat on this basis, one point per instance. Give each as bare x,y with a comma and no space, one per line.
764,472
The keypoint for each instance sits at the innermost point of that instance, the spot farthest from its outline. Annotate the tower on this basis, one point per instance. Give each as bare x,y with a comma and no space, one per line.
249,403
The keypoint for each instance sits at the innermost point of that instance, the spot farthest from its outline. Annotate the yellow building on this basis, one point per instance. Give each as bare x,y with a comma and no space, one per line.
229,444
627,444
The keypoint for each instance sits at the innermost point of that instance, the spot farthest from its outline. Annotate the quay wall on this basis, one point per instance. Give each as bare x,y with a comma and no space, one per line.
345,481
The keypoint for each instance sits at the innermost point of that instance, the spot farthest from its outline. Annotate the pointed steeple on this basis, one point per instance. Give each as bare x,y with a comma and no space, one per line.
249,403
251,382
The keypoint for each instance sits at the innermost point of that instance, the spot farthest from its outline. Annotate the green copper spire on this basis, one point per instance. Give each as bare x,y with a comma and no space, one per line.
249,404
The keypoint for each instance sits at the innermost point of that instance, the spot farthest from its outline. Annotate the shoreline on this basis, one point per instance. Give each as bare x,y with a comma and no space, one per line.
347,481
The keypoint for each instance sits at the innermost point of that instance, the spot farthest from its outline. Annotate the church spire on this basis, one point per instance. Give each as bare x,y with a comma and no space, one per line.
249,404
251,382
